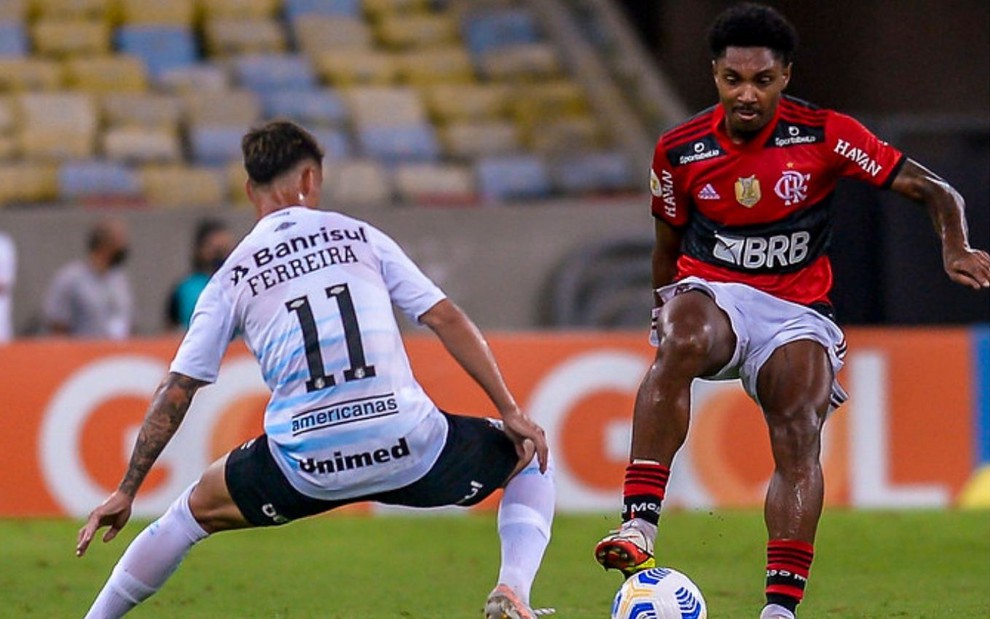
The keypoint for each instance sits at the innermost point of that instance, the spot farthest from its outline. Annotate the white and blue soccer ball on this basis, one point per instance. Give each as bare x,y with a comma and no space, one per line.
659,593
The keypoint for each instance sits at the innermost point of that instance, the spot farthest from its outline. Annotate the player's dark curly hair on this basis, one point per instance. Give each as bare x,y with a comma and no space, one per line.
275,148
753,25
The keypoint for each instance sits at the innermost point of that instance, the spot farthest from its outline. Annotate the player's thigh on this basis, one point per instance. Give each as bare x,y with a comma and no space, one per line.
794,388
694,330
211,504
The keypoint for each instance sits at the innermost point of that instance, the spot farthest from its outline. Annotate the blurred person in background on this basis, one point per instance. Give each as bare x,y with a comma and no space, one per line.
211,246
91,297
8,276
741,196
313,292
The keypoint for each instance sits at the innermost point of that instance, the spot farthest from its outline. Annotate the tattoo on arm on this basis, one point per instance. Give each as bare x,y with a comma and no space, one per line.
168,408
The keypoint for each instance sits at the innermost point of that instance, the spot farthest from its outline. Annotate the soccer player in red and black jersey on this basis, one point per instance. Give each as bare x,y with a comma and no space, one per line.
741,199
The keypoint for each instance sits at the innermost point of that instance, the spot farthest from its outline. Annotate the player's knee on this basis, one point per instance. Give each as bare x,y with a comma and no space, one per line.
685,344
795,435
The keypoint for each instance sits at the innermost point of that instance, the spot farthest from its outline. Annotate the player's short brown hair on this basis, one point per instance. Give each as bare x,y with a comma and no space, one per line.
275,148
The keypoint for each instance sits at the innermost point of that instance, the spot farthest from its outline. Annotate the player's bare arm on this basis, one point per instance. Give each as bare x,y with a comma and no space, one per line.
465,342
165,414
666,250
947,209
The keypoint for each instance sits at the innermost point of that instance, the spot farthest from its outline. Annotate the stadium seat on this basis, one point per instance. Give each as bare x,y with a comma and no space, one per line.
356,182
57,125
448,102
13,39
565,135
141,144
239,9
231,108
309,107
357,67
435,184
394,143
25,182
593,172
531,61
235,176
336,145
473,139
491,29
29,74
140,109
86,9
433,66
548,100
515,177
342,8
402,31
8,114
157,13
384,106
117,73
82,180
183,186
70,37
199,78
273,72
218,144
13,10
315,34
230,36
160,47
42,143
378,8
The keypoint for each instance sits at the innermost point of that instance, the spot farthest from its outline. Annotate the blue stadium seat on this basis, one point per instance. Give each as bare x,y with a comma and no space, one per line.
343,8
336,145
91,179
215,144
486,30
591,172
514,177
267,72
308,107
393,144
13,39
160,47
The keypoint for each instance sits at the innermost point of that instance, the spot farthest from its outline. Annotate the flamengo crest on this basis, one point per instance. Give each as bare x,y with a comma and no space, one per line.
792,187
748,191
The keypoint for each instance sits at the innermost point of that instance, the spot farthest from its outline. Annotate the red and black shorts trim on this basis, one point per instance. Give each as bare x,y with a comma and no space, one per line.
476,460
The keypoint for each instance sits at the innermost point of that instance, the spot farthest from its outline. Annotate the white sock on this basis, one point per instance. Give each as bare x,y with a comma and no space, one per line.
524,518
148,562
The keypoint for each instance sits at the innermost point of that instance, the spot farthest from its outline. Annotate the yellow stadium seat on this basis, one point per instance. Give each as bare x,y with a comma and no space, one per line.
137,144
316,34
239,8
472,139
370,105
116,73
8,114
62,9
236,178
20,74
418,30
433,66
231,36
70,37
38,142
8,147
195,78
232,107
157,12
566,135
527,61
382,7
351,67
549,100
183,186
448,102
26,181
124,109
13,10
56,125
356,182
435,183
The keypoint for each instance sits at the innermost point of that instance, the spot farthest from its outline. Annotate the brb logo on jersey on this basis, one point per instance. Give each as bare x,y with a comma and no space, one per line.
792,187
758,253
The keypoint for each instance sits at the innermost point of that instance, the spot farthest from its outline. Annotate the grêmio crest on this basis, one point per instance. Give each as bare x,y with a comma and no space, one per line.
748,191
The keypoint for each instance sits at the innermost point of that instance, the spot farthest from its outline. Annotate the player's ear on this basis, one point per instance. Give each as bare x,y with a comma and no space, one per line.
786,73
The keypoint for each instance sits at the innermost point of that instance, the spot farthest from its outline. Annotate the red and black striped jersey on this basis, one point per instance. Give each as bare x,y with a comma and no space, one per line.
758,213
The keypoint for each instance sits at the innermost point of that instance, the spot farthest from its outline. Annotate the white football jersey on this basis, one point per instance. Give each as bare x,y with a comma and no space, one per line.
311,292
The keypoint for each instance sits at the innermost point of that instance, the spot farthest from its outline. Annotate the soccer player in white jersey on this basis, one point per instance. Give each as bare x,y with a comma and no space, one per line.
312,293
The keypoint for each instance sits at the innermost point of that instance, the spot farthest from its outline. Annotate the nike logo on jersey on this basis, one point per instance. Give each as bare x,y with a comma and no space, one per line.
708,193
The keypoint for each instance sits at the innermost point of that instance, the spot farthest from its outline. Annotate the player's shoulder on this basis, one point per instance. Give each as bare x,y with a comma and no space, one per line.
690,141
688,130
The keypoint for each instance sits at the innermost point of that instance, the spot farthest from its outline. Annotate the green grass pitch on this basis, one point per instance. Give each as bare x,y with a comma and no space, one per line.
913,565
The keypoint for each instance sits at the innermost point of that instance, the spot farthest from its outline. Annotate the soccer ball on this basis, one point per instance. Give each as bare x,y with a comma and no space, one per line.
659,593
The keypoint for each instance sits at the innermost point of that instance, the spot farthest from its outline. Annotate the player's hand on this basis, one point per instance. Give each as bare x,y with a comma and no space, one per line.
113,513
969,267
519,427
